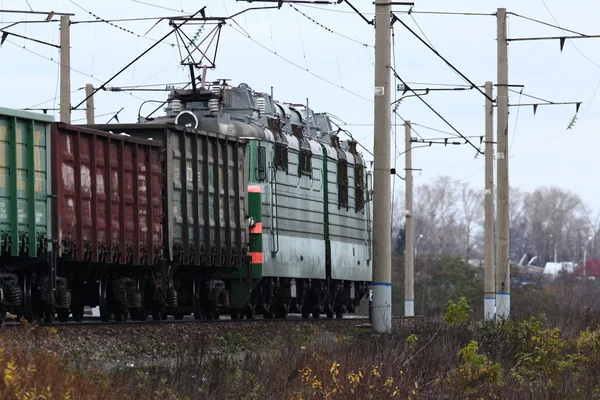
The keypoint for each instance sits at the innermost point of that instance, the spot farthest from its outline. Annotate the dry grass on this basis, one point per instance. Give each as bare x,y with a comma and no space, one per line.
525,358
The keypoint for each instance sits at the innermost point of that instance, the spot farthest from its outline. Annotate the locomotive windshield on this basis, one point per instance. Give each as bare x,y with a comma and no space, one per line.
239,99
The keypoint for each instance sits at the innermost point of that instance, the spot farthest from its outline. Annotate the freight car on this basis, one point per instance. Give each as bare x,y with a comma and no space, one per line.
134,226
28,282
310,233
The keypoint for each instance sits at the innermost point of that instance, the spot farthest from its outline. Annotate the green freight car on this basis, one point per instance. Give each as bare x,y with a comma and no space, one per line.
26,245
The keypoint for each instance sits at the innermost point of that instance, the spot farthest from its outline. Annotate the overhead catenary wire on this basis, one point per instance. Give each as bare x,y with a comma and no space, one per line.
420,30
137,58
300,67
57,62
49,100
157,6
512,140
530,96
570,41
100,19
444,59
329,29
458,13
580,52
438,114
544,23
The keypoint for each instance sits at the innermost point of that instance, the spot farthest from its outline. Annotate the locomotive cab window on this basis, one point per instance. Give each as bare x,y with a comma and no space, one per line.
261,164
343,184
281,157
305,165
360,187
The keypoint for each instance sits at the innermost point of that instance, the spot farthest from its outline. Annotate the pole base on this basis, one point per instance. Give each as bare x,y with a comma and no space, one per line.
489,308
409,308
382,307
502,305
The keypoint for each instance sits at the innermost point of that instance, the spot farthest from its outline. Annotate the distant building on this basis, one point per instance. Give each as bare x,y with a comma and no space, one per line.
551,269
593,269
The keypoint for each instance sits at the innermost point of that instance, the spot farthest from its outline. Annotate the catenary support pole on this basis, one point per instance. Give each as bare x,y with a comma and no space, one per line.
409,253
489,295
585,262
65,69
382,212
89,103
503,255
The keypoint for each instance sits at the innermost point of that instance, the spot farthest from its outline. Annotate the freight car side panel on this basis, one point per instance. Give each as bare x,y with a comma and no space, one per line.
207,200
25,222
205,194
108,197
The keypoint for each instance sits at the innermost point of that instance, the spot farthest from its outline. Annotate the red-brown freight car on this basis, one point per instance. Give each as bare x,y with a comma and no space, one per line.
205,207
107,218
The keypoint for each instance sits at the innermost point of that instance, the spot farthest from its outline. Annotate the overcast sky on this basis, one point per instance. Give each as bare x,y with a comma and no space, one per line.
289,52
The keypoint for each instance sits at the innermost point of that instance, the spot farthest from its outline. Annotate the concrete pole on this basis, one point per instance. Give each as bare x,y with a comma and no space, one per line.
89,104
65,69
503,254
489,295
382,209
409,261
585,263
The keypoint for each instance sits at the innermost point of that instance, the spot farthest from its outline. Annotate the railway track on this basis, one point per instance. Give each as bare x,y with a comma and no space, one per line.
95,321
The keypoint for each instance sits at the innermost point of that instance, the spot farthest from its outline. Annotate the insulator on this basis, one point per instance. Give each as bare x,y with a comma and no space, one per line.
213,104
172,297
134,298
176,106
262,105
224,298
62,298
13,294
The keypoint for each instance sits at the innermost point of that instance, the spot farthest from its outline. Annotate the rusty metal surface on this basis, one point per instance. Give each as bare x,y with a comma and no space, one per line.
107,192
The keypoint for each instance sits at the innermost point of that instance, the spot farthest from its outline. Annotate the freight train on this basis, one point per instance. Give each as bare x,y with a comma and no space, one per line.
231,203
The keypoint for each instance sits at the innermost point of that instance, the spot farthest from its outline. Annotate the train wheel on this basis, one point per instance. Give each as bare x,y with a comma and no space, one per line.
63,314
268,314
2,316
305,310
178,317
158,315
282,313
316,314
120,314
250,312
77,311
49,313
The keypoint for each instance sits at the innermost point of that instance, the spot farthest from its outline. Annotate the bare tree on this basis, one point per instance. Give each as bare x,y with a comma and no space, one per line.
472,216
436,216
553,213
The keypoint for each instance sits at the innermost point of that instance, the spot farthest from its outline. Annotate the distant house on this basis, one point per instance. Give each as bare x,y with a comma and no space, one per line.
593,269
551,269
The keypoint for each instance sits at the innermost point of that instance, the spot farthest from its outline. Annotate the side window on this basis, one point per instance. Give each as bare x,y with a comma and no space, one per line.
281,157
360,187
305,165
261,164
343,184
